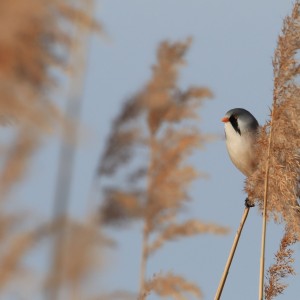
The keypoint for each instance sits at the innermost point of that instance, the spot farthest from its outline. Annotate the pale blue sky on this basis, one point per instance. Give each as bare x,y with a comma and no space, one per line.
233,45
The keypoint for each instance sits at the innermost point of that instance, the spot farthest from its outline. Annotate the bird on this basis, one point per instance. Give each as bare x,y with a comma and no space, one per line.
241,131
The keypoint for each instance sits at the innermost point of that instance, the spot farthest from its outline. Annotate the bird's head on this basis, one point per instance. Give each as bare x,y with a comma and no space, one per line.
241,120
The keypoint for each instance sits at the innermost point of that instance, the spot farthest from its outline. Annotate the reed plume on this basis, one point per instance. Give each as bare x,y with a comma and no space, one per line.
277,174
33,51
283,191
282,267
35,42
149,147
170,285
80,257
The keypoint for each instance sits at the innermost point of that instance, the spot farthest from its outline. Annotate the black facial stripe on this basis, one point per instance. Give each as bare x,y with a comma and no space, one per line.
234,123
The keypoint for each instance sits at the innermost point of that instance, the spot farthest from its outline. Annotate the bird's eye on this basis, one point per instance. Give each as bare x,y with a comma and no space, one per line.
235,117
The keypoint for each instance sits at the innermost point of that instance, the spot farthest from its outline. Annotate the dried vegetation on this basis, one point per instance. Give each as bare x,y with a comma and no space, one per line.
35,41
145,170
149,146
158,122
282,164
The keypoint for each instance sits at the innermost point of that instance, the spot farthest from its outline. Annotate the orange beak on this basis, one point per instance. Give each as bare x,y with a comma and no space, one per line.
225,120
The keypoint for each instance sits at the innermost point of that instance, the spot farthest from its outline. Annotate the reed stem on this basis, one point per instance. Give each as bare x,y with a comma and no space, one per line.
231,254
264,225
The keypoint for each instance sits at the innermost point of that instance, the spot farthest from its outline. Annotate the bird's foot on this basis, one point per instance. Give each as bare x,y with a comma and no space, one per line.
249,203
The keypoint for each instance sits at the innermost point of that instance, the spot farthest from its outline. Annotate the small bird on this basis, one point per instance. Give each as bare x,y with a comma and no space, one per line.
241,129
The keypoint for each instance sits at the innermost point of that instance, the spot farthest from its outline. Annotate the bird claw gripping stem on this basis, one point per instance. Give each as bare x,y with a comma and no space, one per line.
249,203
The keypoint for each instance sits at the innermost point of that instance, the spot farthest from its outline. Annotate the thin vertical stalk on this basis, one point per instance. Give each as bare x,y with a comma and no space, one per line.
143,262
146,232
264,224
231,254
67,154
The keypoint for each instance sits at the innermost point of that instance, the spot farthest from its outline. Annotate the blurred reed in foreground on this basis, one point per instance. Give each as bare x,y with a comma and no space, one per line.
145,166
34,44
35,41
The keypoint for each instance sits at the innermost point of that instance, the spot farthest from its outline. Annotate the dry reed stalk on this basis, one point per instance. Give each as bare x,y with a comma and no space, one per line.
156,183
143,263
264,224
146,231
78,51
231,254
262,255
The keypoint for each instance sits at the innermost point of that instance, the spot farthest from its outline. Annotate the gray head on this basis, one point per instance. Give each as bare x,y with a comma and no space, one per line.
241,120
